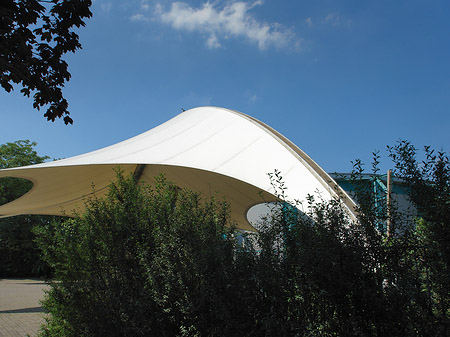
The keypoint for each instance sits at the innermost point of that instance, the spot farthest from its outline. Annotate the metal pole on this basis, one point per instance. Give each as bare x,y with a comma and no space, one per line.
388,201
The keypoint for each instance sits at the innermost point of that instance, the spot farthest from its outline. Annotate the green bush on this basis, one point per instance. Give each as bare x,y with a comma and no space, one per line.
141,262
163,261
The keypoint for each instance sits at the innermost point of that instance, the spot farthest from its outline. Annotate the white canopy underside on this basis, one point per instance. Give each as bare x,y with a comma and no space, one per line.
215,151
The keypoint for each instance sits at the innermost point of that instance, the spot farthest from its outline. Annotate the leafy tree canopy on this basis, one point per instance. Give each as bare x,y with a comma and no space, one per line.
19,254
19,153
34,36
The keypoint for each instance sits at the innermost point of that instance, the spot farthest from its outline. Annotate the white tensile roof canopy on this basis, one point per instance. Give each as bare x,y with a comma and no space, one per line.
215,151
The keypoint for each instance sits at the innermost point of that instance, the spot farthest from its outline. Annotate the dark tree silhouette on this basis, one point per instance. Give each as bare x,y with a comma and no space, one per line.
34,36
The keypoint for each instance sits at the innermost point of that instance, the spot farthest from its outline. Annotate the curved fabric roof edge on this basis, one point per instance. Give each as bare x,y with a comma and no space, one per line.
211,150
326,178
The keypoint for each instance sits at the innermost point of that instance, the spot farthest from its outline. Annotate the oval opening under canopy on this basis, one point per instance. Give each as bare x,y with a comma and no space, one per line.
12,188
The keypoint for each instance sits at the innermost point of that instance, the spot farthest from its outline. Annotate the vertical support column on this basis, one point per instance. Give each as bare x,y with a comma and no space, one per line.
138,172
388,201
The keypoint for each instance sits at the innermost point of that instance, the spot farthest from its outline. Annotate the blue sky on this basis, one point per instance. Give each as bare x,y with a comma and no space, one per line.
338,78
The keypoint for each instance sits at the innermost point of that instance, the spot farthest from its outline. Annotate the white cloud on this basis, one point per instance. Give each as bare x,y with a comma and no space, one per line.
142,15
332,18
144,5
213,42
309,22
336,20
231,20
139,17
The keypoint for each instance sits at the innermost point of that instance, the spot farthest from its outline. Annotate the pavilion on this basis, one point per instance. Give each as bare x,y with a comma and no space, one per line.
215,151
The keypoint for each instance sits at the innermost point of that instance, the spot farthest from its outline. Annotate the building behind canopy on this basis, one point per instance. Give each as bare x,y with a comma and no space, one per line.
214,151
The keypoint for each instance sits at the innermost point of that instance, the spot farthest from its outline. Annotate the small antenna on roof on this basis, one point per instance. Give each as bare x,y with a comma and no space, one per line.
182,110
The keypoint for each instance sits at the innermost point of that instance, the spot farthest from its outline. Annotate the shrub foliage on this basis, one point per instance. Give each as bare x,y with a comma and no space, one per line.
163,261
